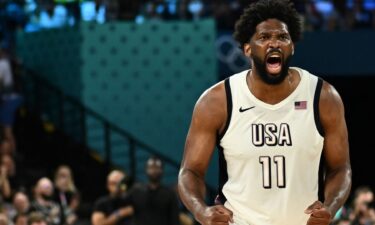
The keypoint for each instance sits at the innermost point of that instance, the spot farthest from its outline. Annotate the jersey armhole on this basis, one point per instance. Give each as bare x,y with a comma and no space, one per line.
228,94
318,90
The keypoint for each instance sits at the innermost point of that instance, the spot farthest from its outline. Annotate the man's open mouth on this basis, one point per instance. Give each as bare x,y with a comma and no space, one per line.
273,63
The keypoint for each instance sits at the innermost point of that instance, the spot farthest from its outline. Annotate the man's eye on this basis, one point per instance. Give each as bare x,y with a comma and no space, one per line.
284,37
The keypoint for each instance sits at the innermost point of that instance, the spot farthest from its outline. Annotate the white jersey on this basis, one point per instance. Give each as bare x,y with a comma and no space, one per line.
270,155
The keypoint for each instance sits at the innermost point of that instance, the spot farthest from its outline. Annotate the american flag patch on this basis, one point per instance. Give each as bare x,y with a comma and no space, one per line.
300,105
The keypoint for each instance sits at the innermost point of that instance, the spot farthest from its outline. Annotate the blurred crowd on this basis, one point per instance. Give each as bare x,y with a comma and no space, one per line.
360,211
318,14
33,15
56,200
49,201
52,202
150,203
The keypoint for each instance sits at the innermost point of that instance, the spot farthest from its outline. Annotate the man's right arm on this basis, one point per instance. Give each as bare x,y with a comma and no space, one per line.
99,218
208,120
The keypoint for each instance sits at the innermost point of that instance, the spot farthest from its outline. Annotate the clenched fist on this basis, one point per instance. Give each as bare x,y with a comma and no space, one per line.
215,215
319,215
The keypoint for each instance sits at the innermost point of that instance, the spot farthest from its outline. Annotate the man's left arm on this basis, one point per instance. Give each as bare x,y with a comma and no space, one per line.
336,154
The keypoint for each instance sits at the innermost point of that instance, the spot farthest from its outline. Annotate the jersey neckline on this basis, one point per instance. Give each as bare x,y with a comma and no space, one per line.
282,102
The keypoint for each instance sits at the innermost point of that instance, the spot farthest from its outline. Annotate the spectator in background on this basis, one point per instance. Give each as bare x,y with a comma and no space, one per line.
20,219
111,9
37,218
46,15
21,205
4,220
66,194
313,18
73,10
5,188
6,77
16,177
223,13
336,20
360,17
194,9
43,203
154,10
153,203
333,22
8,103
183,10
9,167
363,212
13,18
6,146
113,208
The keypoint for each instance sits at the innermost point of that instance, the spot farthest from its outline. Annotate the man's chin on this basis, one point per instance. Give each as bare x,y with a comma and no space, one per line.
273,79
274,75
274,71
270,73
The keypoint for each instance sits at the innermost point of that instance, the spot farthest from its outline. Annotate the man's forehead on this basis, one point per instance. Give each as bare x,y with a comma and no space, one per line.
272,26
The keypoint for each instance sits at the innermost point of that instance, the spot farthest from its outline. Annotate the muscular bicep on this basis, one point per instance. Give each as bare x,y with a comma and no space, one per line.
208,118
199,147
336,145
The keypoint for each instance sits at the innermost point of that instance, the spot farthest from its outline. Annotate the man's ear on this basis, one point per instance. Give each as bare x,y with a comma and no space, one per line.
247,49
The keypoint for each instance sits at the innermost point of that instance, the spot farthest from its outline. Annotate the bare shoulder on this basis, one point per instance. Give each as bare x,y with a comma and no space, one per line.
211,106
331,106
213,96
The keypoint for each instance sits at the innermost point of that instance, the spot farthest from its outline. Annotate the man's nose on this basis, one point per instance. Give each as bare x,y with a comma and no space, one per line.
274,43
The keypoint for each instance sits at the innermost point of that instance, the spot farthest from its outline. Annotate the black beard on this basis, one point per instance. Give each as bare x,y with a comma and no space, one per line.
260,67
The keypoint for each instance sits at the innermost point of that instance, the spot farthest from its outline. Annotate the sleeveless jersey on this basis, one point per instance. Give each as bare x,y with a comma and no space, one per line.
270,155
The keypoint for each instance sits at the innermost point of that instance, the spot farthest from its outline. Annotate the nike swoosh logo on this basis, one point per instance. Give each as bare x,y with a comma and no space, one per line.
245,109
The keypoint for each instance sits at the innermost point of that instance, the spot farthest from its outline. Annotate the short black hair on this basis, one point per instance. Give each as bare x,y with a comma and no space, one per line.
262,10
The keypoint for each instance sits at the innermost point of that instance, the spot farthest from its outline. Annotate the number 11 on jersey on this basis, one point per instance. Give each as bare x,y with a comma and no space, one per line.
266,162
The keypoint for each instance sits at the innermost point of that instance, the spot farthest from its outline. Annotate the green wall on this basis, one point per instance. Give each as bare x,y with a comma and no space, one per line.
54,54
145,78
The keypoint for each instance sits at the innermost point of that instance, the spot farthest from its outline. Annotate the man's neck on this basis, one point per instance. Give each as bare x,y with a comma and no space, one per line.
272,93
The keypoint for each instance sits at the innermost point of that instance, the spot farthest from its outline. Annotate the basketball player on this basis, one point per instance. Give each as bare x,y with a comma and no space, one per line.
280,130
